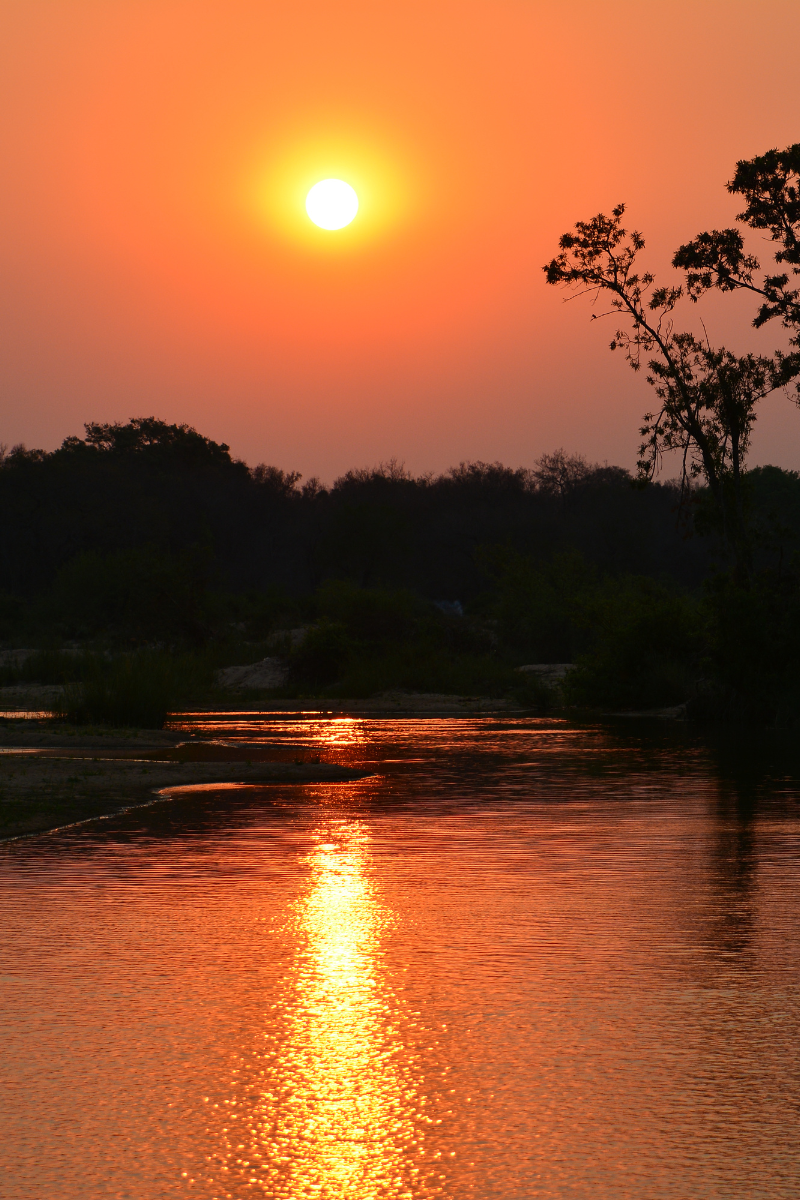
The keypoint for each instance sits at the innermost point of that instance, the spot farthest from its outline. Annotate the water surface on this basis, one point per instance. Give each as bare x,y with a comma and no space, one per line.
521,960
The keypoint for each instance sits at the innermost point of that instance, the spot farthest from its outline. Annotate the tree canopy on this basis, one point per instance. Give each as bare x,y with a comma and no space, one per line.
707,396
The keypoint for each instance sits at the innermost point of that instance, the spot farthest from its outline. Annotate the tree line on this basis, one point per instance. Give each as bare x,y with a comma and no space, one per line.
148,514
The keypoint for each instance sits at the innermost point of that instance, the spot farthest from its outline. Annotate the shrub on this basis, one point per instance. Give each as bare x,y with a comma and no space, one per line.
753,640
139,594
321,657
135,689
540,608
369,614
420,666
645,646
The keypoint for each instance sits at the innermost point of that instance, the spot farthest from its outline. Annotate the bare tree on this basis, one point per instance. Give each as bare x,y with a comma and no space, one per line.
557,474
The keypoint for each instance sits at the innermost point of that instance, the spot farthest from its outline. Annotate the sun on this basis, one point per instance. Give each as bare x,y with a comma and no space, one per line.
332,197
331,204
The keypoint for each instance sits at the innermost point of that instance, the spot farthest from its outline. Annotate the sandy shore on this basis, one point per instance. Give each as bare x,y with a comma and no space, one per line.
55,775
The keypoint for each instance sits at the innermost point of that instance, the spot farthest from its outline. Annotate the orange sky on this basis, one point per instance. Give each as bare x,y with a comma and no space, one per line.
155,259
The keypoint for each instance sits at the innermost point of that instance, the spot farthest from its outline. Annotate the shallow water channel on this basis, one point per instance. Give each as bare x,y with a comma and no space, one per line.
522,960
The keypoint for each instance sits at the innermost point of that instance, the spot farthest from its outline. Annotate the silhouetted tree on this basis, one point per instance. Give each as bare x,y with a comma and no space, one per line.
117,533
770,185
707,397
559,473
154,440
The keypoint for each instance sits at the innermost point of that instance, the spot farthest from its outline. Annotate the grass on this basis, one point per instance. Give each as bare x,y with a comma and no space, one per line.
138,689
49,666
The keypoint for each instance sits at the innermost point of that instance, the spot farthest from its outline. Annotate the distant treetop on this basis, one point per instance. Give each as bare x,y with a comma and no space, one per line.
153,439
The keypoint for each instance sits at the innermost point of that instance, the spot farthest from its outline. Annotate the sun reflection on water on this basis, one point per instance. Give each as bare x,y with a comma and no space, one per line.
340,731
329,1105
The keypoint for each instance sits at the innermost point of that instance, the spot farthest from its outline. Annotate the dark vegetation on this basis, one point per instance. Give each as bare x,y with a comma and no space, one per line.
142,557
706,397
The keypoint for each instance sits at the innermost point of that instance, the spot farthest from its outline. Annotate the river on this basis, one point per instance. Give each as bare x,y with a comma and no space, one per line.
524,959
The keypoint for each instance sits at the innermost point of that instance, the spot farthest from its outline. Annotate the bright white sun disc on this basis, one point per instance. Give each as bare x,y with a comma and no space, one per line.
331,204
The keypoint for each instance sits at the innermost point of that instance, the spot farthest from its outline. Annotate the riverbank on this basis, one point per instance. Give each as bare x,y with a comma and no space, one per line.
53,775
402,703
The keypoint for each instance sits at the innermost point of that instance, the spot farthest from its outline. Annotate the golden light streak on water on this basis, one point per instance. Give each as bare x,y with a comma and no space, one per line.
341,731
522,959
328,1107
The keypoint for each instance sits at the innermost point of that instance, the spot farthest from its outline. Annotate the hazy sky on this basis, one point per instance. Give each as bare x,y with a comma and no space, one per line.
155,258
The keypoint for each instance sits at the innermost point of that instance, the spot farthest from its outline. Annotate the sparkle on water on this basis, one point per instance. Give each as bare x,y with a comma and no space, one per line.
331,204
521,960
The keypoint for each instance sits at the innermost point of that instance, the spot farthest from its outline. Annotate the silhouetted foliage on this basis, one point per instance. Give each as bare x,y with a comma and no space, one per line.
744,631
558,474
707,397
752,664
770,185
137,689
137,595
368,640
151,540
541,608
645,645
169,520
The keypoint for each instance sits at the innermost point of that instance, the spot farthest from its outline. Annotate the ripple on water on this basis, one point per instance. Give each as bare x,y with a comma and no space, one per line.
524,959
